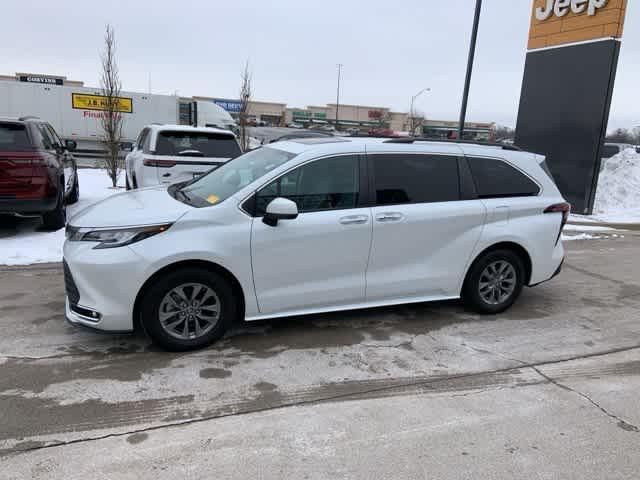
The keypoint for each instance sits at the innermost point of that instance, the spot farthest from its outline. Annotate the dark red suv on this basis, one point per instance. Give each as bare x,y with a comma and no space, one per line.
38,174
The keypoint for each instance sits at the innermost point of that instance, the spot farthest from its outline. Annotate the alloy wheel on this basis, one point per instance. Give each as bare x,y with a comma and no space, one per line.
189,311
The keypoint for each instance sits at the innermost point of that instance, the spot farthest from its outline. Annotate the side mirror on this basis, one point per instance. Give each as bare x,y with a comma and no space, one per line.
70,145
280,209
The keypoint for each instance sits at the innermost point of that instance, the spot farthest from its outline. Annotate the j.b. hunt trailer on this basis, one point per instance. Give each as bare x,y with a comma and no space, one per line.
76,112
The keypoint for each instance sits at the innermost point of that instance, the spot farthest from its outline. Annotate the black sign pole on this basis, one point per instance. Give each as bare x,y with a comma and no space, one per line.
467,82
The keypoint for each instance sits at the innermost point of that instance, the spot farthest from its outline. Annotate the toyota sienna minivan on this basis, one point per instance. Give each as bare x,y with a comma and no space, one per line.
315,225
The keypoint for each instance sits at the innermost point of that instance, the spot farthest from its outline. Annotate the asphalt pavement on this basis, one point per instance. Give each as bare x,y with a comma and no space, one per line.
546,390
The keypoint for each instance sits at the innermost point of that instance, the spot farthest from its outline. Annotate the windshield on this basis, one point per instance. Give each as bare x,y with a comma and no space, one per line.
221,183
197,144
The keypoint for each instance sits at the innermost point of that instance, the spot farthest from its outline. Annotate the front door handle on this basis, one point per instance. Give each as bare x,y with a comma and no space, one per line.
354,219
389,217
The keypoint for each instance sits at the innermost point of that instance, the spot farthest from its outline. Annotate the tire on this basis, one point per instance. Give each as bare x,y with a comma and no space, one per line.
162,297
57,218
486,273
74,196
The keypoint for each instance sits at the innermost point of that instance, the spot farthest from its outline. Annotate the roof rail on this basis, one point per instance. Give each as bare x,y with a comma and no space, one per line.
28,117
464,142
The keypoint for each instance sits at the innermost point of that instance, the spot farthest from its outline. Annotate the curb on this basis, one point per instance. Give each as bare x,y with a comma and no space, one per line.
615,226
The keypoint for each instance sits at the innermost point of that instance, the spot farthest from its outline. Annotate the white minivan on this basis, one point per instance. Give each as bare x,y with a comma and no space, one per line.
165,154
315,225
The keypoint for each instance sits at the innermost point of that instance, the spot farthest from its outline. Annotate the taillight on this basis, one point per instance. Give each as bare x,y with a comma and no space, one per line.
22,158
151,162
565,209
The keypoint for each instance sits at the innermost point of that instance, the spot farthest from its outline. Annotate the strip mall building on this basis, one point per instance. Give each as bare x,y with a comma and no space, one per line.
363,117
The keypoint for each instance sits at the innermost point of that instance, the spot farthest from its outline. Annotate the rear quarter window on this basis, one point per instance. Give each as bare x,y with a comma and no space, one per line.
497,179
14,137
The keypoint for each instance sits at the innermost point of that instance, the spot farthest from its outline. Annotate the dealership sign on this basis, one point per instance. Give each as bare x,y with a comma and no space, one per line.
43,80
560,8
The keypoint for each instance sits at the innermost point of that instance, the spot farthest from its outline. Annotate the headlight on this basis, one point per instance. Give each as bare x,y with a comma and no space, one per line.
115,237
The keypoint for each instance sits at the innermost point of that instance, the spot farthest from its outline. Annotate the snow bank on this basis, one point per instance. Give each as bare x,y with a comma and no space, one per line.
22,243
618,193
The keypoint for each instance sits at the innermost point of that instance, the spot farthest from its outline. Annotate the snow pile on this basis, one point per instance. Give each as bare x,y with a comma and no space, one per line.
23,243
618,193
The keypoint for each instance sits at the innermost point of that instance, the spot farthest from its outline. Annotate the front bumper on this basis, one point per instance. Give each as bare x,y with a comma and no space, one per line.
104,281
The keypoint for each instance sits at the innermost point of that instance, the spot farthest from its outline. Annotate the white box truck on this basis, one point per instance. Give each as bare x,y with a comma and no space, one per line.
75,112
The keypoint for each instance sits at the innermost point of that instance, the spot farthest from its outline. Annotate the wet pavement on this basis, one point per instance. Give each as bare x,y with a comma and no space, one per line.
549,387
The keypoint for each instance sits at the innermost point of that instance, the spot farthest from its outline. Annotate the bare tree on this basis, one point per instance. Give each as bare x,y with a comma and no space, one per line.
111,118
503,132
245,98
416,120
381,118
621,135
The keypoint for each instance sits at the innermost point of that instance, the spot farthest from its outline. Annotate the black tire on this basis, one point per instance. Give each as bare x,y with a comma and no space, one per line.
471,290
57,218
153,299
74,195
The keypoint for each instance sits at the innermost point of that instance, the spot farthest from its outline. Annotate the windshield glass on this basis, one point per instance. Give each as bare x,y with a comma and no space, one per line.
221,183
197,144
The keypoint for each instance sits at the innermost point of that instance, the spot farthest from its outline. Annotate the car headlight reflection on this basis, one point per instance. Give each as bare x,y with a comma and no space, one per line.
115,237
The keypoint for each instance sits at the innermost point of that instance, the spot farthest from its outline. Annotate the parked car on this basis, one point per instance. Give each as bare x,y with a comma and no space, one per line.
323,128
353,131
165,154
295,125
316,225
38,173
611,149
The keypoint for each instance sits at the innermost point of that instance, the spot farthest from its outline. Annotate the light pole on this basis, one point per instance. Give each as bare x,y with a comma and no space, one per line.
338,94
467,82
412,112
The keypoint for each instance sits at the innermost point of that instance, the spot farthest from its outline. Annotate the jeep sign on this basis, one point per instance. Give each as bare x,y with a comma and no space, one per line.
561,7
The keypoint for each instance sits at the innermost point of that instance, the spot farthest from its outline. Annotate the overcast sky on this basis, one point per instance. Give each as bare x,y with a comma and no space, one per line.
390,50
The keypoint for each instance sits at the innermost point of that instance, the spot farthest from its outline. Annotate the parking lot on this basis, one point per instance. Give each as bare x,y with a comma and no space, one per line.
546,390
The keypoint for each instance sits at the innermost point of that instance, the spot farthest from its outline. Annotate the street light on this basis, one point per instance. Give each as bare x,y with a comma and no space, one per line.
338,95
412,112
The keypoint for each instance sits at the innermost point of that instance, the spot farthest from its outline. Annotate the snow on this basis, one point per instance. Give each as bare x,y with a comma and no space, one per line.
22,242
586,228
618,193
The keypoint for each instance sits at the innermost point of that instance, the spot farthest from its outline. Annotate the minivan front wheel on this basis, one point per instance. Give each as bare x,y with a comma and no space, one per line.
494,282
188,309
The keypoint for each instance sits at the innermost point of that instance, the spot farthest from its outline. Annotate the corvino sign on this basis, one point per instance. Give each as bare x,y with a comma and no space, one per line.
560,8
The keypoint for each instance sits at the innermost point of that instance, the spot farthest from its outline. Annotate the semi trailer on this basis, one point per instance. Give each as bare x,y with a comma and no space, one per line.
76,112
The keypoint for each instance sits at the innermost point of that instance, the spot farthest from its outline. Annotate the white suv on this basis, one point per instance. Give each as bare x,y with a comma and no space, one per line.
176,153
316,225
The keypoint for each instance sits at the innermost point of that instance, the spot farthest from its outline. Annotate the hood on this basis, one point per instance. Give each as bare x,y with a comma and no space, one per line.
147,206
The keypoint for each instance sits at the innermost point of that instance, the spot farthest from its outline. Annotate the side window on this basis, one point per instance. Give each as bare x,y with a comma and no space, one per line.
141,139
47,141
402,178
54,136
497,179
327,184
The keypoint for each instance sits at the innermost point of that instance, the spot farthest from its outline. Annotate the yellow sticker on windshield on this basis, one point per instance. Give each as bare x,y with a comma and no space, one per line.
213,199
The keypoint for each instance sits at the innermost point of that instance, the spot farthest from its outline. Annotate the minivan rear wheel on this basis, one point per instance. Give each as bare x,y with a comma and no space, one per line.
494,282
187,309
